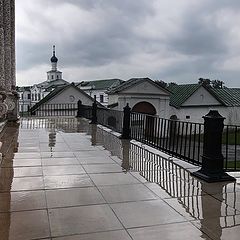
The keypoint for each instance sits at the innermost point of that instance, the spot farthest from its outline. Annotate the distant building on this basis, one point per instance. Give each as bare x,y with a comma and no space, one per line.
189,102
24,98
62,101
97,89
31,95
143,95
185,102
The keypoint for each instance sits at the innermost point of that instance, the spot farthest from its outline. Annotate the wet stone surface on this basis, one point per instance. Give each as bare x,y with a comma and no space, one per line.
65,179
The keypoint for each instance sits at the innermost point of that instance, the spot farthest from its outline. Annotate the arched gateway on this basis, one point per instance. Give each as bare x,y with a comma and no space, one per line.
144,107
149,121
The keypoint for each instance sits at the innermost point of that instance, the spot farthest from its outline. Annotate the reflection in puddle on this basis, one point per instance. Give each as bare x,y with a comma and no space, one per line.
206,204
214,208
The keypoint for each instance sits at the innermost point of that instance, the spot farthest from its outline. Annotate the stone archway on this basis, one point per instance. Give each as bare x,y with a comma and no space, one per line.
144,107
149,119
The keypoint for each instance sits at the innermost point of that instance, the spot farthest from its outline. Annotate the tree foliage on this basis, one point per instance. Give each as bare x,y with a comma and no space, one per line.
211,83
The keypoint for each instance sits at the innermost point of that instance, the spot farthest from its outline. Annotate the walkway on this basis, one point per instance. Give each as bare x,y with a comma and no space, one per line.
64,179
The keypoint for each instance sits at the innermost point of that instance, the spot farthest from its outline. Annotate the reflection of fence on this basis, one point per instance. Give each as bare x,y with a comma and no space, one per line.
178,183
182,139
175,181
59,124
24,110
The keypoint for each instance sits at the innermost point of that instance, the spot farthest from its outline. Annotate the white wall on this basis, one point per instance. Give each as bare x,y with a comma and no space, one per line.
66,97
161,103
112,98
98,93
201,97
232,114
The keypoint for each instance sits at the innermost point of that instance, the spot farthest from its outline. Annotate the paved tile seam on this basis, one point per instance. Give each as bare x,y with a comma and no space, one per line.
125,202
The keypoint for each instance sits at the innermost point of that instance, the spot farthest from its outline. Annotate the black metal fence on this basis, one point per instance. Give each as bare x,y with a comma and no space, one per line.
49,110
184,140
177,138
60,109
181,139
110,118
86,111
231,147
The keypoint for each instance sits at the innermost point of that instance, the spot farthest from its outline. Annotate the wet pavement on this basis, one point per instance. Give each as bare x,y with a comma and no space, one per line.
64,179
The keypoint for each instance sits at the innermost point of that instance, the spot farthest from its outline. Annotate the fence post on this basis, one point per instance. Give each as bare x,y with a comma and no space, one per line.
126,131
94,113
79,108
212,158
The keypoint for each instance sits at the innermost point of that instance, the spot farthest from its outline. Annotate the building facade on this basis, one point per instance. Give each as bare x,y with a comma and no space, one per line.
142,95
97,89
30,95
8,94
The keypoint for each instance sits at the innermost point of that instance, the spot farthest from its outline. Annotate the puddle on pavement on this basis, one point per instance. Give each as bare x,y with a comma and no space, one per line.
214,208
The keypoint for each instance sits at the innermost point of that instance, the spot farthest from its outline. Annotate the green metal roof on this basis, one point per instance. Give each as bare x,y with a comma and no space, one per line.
229,96
47,84
101,84
180,93
133,81
226,96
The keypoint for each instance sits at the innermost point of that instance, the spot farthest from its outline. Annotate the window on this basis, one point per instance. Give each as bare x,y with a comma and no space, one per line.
32,96
29,96
95,97
57,76
52,76
101,98
187,117
39,97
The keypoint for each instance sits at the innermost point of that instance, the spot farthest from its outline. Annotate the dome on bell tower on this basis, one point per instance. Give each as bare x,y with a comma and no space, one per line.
54,74
54,58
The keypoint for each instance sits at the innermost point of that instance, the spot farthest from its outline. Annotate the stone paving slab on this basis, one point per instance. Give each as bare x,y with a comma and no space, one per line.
57,183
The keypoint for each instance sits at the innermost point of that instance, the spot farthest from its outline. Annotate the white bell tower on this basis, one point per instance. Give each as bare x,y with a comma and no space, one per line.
54,74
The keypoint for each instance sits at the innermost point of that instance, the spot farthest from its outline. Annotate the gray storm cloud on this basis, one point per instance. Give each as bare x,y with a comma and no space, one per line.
164,40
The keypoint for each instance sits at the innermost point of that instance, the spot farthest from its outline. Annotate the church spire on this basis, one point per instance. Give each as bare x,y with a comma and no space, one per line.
54,59
54,50
54,74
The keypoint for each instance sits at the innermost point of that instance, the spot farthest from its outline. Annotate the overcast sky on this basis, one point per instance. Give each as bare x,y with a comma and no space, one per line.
172,40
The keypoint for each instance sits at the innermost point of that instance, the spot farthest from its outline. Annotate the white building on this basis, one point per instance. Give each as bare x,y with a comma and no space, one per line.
29,96
186,102
143,95
190,102
97,89
62,101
